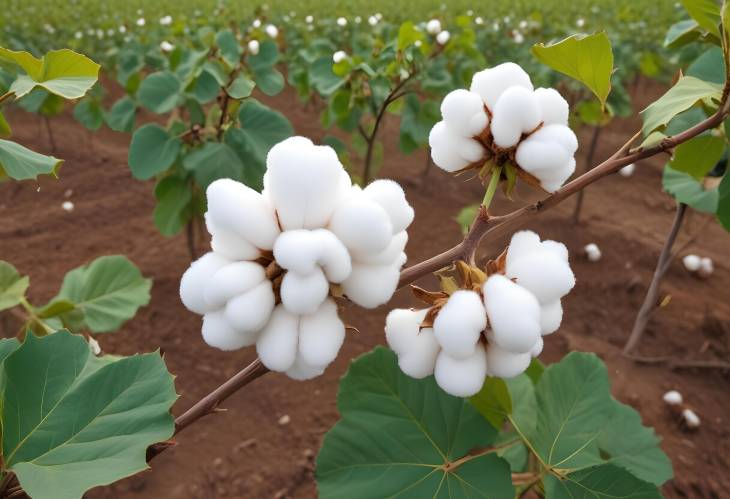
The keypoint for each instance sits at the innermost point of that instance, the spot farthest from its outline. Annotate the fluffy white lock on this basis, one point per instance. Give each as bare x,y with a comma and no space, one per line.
362,225
303,293
692,263
593,252
390,196
553,108
419,359
386,257
504,364
450,151
303,251
433,27
461,377
402,325
536,350
302,371
372,285
548,154
278,343
250,312
229,244
492,82
231,280
514,314
463,112
193,282
551,315
219,333
321,335
459,324
516,112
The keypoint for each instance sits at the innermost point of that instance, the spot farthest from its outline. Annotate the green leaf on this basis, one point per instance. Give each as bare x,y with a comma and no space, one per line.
12,286
213,161
466,217
686,189
120,117
108,291
600,482
228,45
20,163
493,402
241,87
72,421
159,92
89,113
586,58
61,72
710,66
152,151
5,130
173,199
706,13
322,79
396,434
723,203
683,95
268,56
698,155
681,33
269,80
205,88
408,34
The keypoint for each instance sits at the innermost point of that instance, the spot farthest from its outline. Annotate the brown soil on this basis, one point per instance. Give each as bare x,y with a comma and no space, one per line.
247,451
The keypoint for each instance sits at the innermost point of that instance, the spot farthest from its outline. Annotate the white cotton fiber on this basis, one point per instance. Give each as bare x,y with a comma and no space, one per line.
593,252
459,324
544,275
491,83
194,279
362,225
321,335
551,315
536,350
461,377
401,327
556,248
302,371
553,108
232,246
235,207
251,310
218,333
673,397
386,257
231,280
523,243
302,181
463,112
548,154
504,364
692,263
390,196
298,250
515,113
452,152
334,258
419,358
706,267
372,285
514,314
303,293
277,344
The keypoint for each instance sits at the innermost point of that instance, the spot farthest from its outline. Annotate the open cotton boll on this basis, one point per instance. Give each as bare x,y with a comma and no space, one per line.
464,113
491,83
418,360
321,335
231,280
523,243
692,263
390,196
388,255
250,311
443,37
543,274
627,170
673,397
362,225
433,27
536,350
553,108
593,252
706,267
334,258
460,323
372,285
193,281
232,246
691,419
235,207
504,364
277,344
548,154
402,326
301,371
516,112
450,151
551,315
298,250
303,293
461,377
218,333
514,314
556,248
302,181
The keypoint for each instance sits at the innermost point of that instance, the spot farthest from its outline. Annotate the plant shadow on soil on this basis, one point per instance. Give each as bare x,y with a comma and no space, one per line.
246,451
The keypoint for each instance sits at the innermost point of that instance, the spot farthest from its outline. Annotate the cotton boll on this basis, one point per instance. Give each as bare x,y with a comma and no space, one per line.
229,243
491,83
559,177
303,293
339,56
556,248
553,108
673,397
194,279
390,196
418,360
514,314
321,335
302,181
627,170
301,371
523,243
277,345
706,267
548,155
551,315
372,285
433,27
253,47
362,225
692,263
298,250
450,151
593,252
461,377
235,207
463,112
250,311
460,323
691,419
504,364
516,112
544,275
218,333
334,258
386,257
443,37
401,328
272,30
231,280
536,350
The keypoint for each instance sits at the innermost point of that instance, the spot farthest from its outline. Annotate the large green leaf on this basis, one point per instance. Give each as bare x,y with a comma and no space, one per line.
108,291
159,92
241,87
152,151
723,202
72,421
89,113
322,79
493,402
710,66
706,13
683,95
228,45
586,58
20,163
698,155
398,435
600,482
213,161
172,209
686,189
681,33
12,286
61,72
121,116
